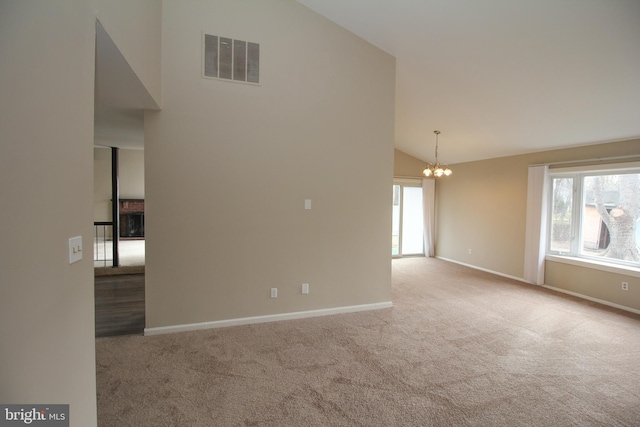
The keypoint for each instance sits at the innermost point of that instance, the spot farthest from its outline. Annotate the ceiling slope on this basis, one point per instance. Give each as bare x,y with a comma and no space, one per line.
120,97
504,77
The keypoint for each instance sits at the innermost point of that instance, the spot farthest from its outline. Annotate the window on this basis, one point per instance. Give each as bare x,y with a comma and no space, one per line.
230,59
595,214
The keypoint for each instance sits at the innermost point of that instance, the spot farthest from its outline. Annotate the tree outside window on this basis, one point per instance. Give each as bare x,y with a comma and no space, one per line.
616,199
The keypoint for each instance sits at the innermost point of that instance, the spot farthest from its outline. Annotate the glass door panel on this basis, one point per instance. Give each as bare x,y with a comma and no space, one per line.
412,221
407,235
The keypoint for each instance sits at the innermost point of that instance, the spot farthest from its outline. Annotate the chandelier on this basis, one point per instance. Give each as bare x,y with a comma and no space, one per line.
437,169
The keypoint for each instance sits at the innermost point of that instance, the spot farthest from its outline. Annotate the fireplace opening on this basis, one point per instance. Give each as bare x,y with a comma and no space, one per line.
132,218
132,225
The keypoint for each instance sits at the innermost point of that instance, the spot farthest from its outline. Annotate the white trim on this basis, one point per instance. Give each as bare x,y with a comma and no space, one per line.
599,301
475,267
551,288
591,161
596,265
264,319
599,168
411,182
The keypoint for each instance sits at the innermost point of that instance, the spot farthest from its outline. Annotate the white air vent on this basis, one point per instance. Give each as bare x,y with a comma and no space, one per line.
229,59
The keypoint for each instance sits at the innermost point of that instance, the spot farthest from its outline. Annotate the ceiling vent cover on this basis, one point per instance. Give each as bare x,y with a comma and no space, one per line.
230,59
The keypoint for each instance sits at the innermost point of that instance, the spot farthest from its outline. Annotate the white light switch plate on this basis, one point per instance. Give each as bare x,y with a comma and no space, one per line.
307,204
75,249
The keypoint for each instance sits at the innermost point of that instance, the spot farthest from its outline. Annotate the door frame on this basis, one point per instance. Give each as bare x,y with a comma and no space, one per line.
401,183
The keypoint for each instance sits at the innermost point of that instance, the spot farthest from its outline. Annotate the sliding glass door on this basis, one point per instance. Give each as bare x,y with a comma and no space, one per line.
407,234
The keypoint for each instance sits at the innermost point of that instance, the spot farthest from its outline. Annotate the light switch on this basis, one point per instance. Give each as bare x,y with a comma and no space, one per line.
307,204
75,249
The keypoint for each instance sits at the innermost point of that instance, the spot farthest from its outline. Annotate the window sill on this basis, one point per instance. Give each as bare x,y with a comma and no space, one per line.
596,265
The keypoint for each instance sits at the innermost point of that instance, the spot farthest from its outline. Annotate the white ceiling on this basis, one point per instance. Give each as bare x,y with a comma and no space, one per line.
504,77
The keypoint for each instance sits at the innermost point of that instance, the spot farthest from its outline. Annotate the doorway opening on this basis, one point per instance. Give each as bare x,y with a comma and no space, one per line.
407,233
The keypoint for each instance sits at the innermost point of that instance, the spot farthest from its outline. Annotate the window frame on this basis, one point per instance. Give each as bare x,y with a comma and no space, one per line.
575,255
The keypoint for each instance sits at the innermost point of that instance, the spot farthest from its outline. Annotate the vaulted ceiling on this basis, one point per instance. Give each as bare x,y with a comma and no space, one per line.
504,77
120,98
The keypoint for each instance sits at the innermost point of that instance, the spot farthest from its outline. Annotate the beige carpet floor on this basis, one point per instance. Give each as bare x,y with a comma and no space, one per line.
459,348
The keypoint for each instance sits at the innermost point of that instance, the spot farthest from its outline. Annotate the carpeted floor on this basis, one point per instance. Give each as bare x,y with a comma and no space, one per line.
471,349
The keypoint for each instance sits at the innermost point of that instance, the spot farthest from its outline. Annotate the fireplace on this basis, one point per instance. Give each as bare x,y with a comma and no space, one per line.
132,218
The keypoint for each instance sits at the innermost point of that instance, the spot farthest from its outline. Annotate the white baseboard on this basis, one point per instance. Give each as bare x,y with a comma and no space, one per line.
264,319
551,288
497,273
599,301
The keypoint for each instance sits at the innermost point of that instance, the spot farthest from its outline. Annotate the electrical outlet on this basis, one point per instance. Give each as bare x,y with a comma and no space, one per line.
625,286
469,250
305,288
274,292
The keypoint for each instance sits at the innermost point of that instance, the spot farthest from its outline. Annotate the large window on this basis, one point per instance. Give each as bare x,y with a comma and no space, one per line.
595,214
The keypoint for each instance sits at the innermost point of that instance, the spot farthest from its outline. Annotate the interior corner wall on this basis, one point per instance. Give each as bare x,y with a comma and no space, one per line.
47,320
406,165
131,174
102,184
136,28
229,167
482,207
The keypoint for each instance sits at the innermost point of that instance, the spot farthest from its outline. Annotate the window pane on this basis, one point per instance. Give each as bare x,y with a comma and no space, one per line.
561,215
610,216
412,221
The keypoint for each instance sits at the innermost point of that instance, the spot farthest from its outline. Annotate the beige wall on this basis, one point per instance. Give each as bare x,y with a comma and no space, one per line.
228,167
131,172
594,283
405,165
136,28
482,207
47,353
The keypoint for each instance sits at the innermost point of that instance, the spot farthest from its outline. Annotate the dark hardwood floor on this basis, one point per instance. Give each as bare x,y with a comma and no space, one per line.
119,305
